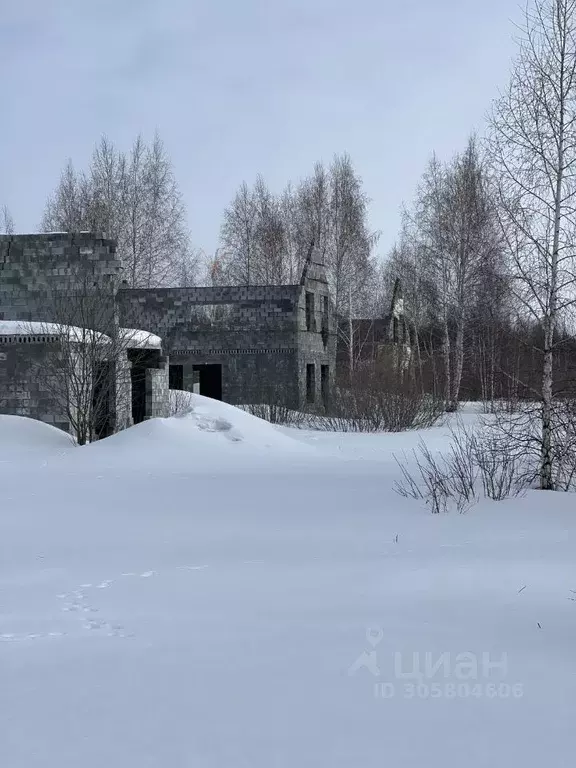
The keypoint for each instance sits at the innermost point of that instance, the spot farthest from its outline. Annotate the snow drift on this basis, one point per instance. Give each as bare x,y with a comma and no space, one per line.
160,608
23,439
210,434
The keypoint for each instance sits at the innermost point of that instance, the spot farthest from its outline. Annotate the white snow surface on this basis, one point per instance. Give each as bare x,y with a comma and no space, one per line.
21,437
213,592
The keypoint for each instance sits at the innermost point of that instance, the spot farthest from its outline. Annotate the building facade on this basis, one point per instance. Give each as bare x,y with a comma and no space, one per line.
242,344
386,340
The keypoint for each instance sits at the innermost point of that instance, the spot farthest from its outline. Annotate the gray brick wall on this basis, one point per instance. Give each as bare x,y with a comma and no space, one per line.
157,393
316,346
34,267
24,386
179,314
260,335
62,278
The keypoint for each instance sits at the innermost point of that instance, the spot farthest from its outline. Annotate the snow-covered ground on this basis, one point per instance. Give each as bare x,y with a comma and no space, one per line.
212,592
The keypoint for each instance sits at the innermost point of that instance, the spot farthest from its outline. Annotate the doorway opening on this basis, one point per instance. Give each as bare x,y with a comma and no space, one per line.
325,385
210,377
140,360
176,376
310,383
102,398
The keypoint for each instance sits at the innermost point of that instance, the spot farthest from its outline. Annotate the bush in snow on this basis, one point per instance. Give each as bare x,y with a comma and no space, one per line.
375,399
180,402
483,459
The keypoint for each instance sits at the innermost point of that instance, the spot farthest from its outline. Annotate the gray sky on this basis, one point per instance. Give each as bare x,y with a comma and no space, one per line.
238,87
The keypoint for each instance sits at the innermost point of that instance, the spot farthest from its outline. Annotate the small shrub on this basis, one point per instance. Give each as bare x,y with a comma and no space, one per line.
378,400
276,413
453,476
180,402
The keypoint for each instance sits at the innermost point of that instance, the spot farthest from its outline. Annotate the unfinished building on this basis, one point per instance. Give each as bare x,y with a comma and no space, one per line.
241,344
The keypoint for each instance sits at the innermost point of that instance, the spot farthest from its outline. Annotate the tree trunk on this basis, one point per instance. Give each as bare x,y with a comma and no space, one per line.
446,358
546,475
350,336
418,358
458,366
546,458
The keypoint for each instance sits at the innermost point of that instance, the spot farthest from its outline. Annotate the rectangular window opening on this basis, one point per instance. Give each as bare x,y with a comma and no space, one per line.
325,384
176,376
310,383
309,311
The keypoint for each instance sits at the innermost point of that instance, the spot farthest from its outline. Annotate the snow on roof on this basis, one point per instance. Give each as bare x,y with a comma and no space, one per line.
136,339
131,337
36,328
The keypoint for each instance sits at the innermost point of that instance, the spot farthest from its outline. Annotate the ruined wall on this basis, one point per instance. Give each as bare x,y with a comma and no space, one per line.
263,337
317,339
183,316
24,387
251,331
35,267
63,278
157,393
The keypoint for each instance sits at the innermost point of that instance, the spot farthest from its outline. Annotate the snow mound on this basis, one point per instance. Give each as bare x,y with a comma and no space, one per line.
21,436
210,431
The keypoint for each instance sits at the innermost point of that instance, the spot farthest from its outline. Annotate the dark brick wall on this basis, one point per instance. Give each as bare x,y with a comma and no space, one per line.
34,267
317,344
180,315
258,334
62,278
24,388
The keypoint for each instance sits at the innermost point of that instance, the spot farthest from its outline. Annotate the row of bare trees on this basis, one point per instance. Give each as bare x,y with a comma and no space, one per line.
134,199
6,221
532,149
449,251
265,237
487,252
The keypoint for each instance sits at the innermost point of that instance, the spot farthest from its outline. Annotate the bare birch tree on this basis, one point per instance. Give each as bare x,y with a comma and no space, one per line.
333,212
238,237
6,221
431,217
87,367
406,262
134,199
533,153
472,246
78,369
265,238
69,208
454,238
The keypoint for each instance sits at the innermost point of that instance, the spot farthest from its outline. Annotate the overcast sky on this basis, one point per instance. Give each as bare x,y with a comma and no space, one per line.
240,87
